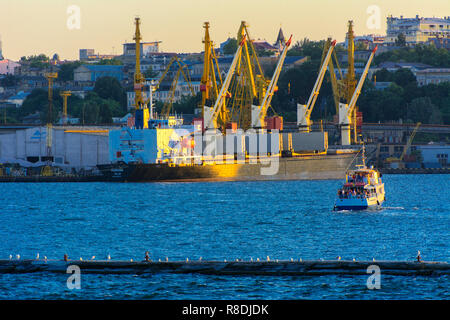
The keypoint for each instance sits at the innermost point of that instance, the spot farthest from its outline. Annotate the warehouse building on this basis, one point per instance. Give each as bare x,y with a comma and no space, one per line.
70,148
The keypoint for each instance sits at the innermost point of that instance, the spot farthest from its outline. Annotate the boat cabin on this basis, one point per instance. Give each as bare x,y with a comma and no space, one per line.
360,184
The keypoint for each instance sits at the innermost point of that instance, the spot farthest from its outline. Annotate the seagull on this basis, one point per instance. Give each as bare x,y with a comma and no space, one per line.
37,256
81,259
131,260
292,260
373,259
167,259
301,260
354,259
257,259
18,256
268,259
10,257
109,257
159,260
187,259
251,259
419,258
200,259
93,258
45,258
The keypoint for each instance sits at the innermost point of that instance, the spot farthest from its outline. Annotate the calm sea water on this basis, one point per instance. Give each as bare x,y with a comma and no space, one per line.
283,220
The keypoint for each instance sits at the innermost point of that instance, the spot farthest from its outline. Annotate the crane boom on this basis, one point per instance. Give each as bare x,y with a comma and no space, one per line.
259,112
304,111
357,91
410,140
345,110
211,114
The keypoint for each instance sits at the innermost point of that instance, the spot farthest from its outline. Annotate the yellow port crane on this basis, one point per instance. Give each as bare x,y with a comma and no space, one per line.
304,110
209,86
142,114
65,95
259,112
346,110
183,70
51,76
211,114
249,84
344,87
407,146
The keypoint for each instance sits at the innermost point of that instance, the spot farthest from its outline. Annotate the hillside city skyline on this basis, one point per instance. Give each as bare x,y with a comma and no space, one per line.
181,32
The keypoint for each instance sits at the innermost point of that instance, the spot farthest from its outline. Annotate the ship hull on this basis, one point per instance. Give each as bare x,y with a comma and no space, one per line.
313,167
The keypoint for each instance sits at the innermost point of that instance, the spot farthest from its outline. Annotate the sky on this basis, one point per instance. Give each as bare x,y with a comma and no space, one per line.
29,27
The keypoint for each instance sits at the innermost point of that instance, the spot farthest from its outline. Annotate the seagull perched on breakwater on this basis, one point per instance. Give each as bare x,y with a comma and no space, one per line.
18,256
10,257
37,256
109,257
419,258
268,259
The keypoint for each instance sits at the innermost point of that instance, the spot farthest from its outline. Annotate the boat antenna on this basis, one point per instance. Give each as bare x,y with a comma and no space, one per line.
363,154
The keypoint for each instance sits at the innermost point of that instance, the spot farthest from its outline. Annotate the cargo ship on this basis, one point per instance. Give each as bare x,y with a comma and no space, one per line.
162,148
185,154
314,167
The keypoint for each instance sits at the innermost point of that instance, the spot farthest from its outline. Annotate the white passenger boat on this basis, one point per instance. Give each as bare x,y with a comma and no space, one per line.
363,189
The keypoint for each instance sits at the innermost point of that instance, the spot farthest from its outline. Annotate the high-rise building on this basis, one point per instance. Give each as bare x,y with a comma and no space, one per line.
416,30
86,53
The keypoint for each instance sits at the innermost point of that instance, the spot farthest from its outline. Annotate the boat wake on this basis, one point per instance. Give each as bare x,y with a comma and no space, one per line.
393,208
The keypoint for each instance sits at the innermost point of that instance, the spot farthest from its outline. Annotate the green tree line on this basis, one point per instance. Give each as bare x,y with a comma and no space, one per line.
107,100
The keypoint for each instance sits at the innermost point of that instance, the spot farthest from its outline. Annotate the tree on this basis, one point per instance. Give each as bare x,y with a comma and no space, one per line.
105,114
422,53
231,46
36,61
110,88
149,73
401,40
109,62
403,77
66,71
423,110
8,81
187,104
307,48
